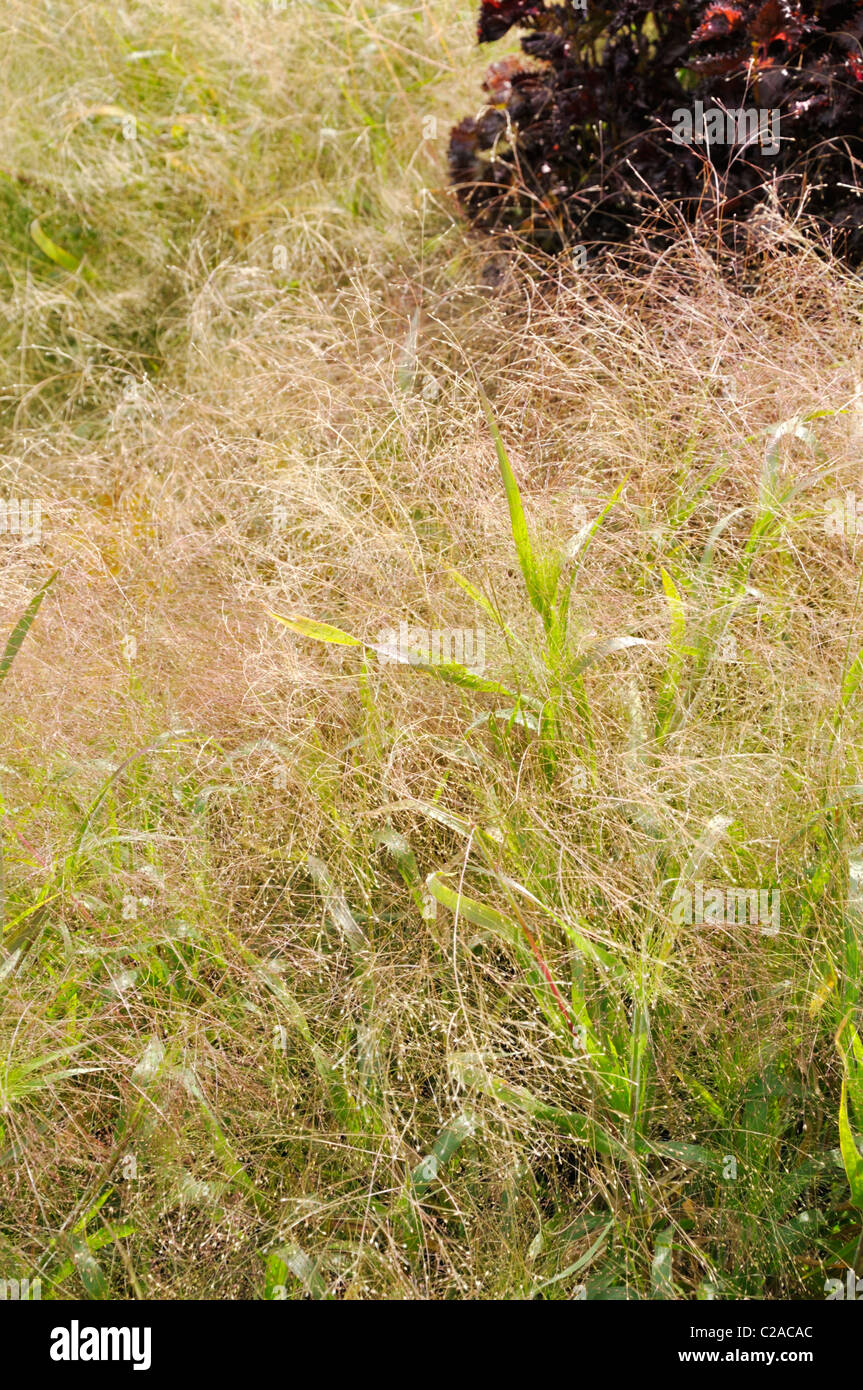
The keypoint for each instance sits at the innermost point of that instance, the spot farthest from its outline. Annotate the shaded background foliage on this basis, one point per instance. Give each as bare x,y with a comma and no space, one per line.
574,142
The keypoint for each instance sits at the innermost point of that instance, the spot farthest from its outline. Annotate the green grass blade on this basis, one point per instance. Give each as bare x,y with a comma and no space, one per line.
677,651
22,627
479,599
337,905
534,579
449,671
661,1282
582,1128
319,632
851,1157
49,248
447,1144
295,1260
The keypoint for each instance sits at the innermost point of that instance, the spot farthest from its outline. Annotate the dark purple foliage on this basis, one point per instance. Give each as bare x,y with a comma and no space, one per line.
575,142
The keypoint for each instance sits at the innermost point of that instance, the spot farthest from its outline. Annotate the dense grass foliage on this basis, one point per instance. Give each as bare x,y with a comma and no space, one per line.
336,965
577,143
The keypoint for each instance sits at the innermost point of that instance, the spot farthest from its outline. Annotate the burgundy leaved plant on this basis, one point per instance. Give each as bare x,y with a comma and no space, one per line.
579,140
